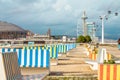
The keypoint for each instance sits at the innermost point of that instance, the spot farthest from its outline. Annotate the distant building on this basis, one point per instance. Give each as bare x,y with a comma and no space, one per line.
11,31
29,34
49,33
91,29
46,36
64,38
42,37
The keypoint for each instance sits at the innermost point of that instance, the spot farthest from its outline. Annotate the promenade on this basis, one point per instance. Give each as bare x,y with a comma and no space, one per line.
112,50
73,64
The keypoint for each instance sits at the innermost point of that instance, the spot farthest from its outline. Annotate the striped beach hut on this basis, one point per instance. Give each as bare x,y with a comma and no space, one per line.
54,51
31,57
109,72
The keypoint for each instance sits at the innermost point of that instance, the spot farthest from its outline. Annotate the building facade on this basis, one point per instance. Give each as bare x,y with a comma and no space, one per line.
11,31
91,29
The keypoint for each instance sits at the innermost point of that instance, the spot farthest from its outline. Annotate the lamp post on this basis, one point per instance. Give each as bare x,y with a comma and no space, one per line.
102,19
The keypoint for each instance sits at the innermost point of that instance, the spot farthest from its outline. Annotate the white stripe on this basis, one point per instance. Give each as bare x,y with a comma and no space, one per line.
33,58
11,50
0,50
39,57
44,63
17,50
28,57
6,49
22,58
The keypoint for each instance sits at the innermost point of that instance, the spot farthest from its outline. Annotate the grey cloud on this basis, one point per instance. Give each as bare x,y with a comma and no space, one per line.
42,14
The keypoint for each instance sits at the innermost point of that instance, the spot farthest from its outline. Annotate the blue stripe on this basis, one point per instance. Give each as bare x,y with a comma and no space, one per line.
42,57
14,50
25,58
56,52
3,50
20,56
9,49
52,51
30,57
47,59
63,49
36,57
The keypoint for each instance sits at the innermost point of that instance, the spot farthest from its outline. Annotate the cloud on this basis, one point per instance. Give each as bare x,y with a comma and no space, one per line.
60,15
68,8
59,5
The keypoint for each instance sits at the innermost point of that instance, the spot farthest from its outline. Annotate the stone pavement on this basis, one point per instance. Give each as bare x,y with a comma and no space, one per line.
73,64
112,50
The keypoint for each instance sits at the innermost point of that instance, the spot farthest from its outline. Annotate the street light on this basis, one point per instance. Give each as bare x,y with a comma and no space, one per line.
116,13
103,18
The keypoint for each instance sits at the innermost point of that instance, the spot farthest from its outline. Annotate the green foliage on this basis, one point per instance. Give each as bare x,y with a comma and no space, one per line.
83,39
88,39
112,61
109,62
105,61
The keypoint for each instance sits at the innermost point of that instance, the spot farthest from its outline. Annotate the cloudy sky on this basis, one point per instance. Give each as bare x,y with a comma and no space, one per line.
61,16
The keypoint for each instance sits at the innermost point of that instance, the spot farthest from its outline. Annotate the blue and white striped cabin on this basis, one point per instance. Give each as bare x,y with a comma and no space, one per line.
31,57
53,50
39,56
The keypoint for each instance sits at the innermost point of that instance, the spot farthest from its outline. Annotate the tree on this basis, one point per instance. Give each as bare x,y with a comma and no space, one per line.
83,39
88,38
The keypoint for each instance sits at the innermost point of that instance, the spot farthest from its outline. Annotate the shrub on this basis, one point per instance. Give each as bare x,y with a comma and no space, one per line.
105,61
84,39
88,39
109,62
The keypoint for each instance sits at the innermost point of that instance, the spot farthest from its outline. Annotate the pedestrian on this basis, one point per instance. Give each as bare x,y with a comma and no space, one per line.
119,43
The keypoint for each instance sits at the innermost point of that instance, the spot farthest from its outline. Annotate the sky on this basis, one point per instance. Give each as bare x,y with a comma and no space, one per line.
61,16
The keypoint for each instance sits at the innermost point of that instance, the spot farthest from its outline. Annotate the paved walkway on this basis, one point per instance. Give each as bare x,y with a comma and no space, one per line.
112,50
73,64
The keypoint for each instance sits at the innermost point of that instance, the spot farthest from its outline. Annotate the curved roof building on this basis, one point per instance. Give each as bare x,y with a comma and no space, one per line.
11,31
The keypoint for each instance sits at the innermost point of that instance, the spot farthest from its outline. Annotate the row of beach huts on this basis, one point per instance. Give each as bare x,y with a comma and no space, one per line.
14,59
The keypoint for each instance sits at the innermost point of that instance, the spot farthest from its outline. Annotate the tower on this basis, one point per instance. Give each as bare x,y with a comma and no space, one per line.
49,33
84,17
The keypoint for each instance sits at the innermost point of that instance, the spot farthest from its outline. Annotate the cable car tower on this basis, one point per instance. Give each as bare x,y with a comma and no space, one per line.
84,17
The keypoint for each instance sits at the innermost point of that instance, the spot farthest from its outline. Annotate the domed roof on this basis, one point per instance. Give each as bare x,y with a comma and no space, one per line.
9,27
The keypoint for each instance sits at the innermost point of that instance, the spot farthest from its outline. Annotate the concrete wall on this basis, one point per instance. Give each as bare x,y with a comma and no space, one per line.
9,69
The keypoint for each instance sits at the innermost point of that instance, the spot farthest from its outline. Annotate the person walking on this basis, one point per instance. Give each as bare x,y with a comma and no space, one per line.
119,43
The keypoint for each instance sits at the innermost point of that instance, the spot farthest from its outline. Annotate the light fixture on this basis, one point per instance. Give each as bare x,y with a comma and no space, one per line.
109,12
116,14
